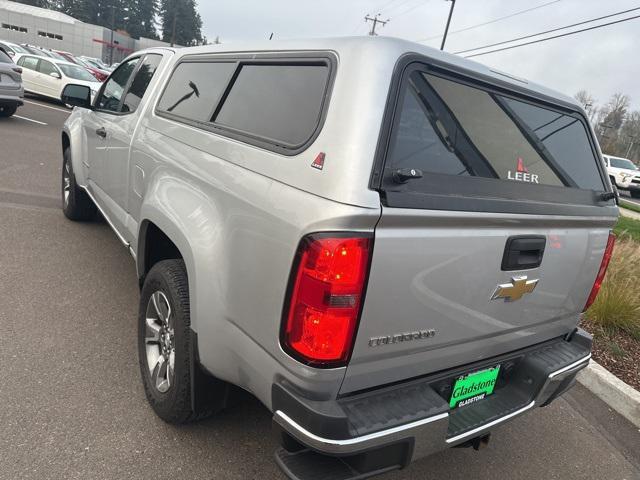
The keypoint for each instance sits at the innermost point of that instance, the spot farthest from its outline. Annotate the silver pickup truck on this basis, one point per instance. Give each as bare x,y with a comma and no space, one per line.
389,246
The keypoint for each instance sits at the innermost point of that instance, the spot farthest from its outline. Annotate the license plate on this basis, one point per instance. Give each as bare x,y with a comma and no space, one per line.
474,387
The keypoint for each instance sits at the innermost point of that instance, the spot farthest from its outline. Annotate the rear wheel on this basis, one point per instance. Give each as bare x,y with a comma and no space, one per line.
76,204
7,110
165,346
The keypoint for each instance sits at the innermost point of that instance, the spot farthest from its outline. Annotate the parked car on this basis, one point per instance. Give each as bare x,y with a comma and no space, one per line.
35,50
11,48
99,75
48,76
11,92
96,62
624,174
388,245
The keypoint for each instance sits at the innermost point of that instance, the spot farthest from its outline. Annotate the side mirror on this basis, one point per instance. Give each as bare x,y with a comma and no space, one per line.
76,96
55,75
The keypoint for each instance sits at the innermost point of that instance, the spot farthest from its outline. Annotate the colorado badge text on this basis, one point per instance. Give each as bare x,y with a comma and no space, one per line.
401,337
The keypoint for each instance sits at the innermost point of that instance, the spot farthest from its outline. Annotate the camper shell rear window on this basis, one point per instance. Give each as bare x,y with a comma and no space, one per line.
457,143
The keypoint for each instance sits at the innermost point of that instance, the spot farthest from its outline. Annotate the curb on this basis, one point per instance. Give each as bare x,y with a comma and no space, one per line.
625,212
614,392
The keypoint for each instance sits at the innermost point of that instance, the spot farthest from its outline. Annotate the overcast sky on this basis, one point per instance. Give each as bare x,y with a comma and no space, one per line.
602,61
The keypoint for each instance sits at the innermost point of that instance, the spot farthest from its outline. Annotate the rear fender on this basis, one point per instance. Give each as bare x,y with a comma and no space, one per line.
185,216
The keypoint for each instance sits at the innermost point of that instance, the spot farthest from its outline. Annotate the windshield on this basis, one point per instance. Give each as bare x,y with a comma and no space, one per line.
16,48
93,64
4,58
77,73
84,63
57,55
622,163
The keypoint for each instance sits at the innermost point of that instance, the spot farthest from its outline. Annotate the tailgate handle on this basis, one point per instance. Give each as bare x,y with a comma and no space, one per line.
523,252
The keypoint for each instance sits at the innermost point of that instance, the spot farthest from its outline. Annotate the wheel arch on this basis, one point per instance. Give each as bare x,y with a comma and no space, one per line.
72,138
175,218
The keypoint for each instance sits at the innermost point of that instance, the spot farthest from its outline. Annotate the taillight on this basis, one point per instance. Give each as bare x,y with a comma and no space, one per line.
17,70
328,282
608,251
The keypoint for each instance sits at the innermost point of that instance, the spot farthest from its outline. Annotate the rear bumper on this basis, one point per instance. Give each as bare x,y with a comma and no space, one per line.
629,184
11,96
417,414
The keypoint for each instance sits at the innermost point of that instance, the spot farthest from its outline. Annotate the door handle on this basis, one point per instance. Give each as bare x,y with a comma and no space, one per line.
101,132
523,251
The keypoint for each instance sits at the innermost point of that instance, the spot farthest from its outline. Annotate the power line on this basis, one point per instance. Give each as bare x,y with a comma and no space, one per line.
553,37
410,9
549,31
520,12
388,4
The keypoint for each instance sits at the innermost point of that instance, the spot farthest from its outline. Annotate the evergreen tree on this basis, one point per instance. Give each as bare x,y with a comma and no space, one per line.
37,3
78,9
142,19
180,22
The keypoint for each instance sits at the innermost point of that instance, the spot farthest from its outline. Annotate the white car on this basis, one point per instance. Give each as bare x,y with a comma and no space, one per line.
624,174
48,76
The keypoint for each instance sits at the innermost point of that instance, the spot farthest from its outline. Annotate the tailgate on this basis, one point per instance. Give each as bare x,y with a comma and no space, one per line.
495,218
429,306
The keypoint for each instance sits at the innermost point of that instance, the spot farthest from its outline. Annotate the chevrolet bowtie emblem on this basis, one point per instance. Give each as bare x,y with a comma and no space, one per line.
514,290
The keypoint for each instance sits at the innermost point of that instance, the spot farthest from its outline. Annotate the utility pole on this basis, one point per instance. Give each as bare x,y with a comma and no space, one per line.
446,30
113,25
175,17
633,141
375,21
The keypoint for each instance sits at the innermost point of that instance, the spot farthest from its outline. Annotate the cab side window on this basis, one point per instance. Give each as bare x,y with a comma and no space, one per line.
114,88
140,82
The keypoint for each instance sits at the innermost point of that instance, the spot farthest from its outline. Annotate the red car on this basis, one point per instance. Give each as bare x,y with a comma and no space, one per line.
101,75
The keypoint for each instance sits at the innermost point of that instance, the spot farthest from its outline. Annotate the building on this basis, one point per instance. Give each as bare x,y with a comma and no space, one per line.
21,23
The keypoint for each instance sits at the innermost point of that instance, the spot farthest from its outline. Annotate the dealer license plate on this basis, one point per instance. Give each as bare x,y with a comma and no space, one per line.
474,387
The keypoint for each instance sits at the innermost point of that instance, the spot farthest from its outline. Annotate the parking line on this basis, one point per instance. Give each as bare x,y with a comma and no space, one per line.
47,106
30,120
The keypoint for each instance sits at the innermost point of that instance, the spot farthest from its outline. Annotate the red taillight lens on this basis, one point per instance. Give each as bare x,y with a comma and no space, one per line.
17,69
328,284
608,251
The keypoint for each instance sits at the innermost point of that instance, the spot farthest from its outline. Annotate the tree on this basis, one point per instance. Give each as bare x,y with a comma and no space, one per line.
609,121
180,22
79,9
142,19
616,110
628,144
588,102
36,3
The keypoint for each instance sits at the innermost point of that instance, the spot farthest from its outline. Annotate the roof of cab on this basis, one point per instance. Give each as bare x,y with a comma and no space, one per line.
378,46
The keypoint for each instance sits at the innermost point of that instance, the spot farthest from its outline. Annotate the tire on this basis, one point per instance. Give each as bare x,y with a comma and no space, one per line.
165,347
76,204
7,110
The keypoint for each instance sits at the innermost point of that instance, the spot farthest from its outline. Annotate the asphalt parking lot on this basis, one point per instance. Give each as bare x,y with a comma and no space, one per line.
71,403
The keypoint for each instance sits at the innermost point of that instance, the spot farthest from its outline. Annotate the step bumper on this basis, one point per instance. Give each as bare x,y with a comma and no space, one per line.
418,414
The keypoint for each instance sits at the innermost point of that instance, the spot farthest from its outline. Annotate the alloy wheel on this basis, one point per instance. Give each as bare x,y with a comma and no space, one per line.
160,342
66,183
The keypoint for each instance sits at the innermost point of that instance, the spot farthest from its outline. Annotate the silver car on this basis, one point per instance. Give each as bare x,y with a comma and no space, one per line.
390,246
11,91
